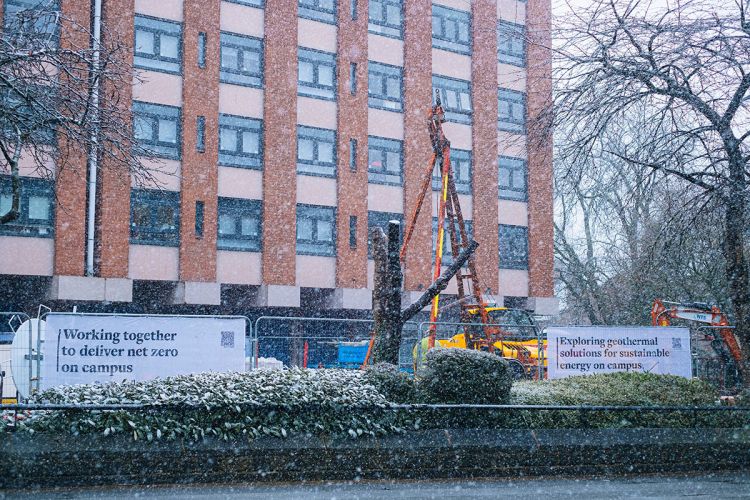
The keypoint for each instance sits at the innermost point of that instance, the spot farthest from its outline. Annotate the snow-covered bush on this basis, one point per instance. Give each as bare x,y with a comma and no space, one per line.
225,405
395,385
465,376
625,389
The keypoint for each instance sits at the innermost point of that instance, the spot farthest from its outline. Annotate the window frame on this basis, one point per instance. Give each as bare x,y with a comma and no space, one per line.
153,199
317,13
315,167
157,27
314,247
317,58
24,225
521,165
445,84
241,43
237,208
239,158
505,234
384,28
447,250
443,42
506,29
381,72
463,186
154,112
249,3
517,126
384,175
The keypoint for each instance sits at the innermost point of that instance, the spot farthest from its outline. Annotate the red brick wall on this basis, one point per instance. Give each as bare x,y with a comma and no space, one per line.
417,148
351,263
539,95
70,186
484,140
280,147
113,195
200,97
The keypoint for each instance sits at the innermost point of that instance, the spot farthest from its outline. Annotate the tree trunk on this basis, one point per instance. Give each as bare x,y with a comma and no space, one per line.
388,295
737,272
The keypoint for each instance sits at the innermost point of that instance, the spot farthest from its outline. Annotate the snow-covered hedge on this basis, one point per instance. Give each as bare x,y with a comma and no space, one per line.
395,385
465,376
226,405
624,389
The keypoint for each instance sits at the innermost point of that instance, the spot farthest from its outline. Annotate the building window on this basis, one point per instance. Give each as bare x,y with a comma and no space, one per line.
353,9
199,218
381,220
353,78
384,86
240,141
511,43
512,175
316,230
386,18
158,44
461,166
157,128
447,250
154,217
318,10
241,60
201,50
200,134
514,247
384,161
316,151
251,3
456,98
316,74
353,155
352,231
42,24
239,226
511,110
20,118
451,29
35,210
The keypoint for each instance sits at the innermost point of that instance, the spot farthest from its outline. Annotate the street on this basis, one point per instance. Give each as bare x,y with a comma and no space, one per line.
716,485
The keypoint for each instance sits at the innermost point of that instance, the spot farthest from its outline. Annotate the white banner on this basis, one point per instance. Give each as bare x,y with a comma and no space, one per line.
83,349
601,349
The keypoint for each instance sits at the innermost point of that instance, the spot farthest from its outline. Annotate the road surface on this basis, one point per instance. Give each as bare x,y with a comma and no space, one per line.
718,485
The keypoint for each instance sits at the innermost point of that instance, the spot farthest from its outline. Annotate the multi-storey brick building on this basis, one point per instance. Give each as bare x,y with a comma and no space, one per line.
286,128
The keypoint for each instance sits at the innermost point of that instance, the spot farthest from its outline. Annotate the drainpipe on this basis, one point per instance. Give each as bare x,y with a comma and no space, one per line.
93,160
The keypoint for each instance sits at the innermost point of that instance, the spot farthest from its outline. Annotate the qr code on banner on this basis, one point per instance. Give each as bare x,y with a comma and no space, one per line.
676,343
227,339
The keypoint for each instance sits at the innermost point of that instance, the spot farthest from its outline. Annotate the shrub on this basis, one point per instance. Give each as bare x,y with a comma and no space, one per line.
225,405
395,385
465,376
623,388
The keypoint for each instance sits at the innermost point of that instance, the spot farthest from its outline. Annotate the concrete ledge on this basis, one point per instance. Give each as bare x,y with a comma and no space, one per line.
350,298
57,460
118,290
196,292
77,288
278,296
545,306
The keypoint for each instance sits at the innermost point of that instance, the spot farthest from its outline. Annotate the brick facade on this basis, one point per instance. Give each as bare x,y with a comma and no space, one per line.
200,97
113,197
484,140
417,148
351,186
539,98
280,142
